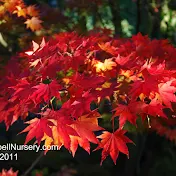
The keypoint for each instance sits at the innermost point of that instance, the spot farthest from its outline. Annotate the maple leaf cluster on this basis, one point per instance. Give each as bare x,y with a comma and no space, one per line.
29,14
59,80
9,172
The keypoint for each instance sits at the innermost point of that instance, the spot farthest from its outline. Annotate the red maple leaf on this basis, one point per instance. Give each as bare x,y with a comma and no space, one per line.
45,92
10,111
64,130
143,86
63,122
85,126
82,104
128,112
22,90
37,128
154,108
122,60
154,69
166,92
51,68
87,82
112,144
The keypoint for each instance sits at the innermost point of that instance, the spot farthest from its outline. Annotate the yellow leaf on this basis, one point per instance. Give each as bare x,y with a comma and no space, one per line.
107,65
20,11
2,10
106,85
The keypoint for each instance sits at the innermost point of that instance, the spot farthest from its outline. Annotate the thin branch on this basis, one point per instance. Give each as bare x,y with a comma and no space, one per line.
33,164
138,16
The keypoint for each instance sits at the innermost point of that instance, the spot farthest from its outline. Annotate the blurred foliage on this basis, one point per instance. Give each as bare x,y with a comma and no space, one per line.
152,155
156,18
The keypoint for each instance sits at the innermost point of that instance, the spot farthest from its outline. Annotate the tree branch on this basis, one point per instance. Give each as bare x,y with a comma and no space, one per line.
33,164
116,18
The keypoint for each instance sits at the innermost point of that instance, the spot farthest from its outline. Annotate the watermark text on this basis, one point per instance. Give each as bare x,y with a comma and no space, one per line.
19,147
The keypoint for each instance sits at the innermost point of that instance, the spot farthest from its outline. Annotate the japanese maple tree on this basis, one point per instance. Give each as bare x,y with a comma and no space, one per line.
64,80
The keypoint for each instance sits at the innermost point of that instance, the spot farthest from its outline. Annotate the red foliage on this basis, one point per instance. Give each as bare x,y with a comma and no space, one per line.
137,75
10,172
112,143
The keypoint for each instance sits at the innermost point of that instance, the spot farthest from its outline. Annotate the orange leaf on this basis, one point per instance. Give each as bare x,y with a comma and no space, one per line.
75,140
34,23
85,126
56,140
10,5
31,10
107,47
